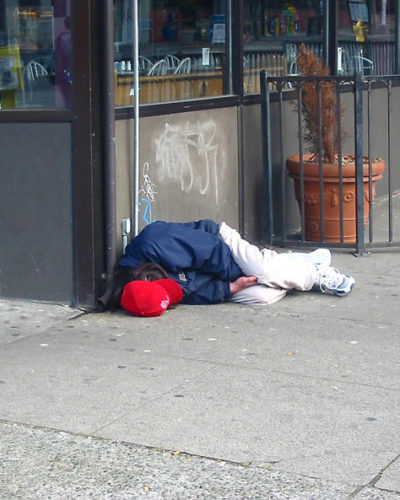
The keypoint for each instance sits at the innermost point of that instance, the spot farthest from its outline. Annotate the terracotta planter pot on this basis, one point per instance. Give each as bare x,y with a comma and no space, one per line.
312,212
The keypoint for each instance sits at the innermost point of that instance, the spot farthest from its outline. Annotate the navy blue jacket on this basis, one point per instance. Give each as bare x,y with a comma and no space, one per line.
192,253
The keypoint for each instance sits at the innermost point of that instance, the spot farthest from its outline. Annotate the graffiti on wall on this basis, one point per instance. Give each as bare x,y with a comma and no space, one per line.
146,195
188,155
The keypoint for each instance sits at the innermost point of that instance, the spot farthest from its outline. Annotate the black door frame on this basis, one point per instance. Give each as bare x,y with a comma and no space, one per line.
87,153
86,166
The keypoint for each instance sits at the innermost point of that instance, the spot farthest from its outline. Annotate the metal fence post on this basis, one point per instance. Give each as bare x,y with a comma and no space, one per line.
266,132
358,133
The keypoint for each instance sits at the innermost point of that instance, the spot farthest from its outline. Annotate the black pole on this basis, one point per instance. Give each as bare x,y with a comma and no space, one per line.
237,48
397,38
266,141
237,86
325,30
358,132
108,138
331,15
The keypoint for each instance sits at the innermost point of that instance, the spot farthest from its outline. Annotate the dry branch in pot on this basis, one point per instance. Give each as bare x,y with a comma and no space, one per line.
323,136
314,106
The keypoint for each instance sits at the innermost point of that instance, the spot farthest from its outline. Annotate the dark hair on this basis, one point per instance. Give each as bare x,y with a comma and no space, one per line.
148,271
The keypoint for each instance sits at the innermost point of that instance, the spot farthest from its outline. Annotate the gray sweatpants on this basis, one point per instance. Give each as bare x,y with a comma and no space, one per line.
276,272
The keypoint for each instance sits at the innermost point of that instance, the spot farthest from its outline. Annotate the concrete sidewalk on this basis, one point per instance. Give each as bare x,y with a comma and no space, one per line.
300,399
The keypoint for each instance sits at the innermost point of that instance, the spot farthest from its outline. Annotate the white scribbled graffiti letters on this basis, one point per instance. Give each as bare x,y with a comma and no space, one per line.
189,155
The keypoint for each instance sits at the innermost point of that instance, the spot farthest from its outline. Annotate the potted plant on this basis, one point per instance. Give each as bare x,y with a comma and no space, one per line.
322,135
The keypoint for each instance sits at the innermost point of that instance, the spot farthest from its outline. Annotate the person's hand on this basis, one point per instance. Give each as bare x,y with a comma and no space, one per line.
243,282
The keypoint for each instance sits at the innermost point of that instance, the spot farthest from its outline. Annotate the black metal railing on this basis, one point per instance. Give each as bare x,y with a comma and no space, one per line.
351,203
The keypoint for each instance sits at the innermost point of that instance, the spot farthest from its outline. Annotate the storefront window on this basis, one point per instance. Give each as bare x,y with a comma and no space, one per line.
273,30
366,37
182,47
35,54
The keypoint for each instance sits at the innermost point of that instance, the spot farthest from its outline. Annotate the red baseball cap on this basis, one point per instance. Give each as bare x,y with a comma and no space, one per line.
150,298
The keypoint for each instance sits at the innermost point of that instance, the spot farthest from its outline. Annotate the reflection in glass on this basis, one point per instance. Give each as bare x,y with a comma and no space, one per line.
35,54
366,37
63,65
272,32
182,47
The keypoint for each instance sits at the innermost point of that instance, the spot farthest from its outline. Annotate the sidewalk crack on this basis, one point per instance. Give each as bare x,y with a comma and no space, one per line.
375,479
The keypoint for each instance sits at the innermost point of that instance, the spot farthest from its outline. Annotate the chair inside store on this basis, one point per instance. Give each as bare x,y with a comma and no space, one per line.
350,61
32,73
172,62
183,67
144,64
158,68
